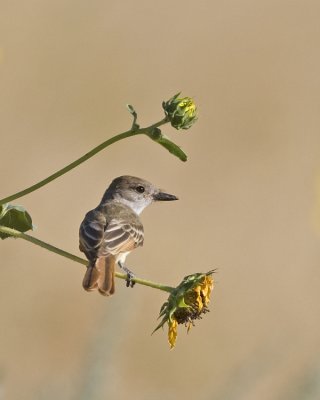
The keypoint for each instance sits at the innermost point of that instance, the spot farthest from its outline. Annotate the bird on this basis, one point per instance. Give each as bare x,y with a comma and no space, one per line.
109,232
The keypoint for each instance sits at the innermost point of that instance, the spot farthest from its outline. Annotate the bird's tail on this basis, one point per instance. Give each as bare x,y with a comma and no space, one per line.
100,276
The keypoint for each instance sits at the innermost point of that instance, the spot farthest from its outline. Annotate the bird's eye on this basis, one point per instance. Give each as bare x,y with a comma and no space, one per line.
140,189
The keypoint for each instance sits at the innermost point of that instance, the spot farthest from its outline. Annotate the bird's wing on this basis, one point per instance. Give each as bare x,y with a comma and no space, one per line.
121,236
91,233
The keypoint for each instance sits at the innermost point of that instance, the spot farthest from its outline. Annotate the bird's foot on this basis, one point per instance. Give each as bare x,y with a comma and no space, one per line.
130,280
130,275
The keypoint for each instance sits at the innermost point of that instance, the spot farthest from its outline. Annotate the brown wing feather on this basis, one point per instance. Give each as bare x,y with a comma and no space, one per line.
120,237
105,281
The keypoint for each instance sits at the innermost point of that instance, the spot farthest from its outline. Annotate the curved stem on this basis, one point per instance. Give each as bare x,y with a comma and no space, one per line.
16,234
148,131
68,167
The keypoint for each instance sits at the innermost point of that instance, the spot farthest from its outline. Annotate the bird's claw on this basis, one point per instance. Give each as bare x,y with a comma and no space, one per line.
129,281
130,275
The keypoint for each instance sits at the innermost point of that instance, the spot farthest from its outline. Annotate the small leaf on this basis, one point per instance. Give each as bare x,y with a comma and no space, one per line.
173,148
131,109
158,137
15,217
163,321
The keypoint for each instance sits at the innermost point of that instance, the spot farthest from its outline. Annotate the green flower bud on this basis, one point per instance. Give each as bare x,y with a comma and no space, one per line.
181,112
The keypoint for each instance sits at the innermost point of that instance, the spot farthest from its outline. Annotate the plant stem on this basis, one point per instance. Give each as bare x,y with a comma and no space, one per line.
16,234
147,131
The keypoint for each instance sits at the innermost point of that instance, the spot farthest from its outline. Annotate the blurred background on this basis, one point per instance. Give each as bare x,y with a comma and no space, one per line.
249,196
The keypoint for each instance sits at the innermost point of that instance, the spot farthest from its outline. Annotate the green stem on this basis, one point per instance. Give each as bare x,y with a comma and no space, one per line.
147,131
16,234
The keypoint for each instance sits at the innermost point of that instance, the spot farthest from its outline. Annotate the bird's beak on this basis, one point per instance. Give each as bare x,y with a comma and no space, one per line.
161,196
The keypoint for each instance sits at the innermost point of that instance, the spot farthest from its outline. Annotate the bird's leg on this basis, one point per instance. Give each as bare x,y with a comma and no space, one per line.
130,274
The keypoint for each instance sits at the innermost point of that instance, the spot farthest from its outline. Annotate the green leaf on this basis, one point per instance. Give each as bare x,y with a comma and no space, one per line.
15,217
163,321
158,137
173,148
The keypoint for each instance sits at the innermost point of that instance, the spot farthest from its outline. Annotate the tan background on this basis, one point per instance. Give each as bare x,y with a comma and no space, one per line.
249,196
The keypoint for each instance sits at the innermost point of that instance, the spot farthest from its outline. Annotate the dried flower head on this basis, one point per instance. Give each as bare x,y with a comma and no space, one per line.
181,112
186,303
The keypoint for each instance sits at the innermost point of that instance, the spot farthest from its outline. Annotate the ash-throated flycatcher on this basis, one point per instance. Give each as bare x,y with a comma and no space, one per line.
112,230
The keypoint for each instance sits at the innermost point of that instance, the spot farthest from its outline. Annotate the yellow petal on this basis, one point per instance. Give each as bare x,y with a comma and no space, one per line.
172,332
